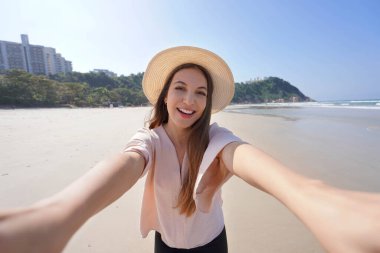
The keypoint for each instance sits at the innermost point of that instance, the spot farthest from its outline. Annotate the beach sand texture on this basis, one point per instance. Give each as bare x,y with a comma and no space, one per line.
43,150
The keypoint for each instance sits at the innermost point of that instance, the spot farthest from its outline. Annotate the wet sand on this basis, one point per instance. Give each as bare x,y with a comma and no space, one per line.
43,150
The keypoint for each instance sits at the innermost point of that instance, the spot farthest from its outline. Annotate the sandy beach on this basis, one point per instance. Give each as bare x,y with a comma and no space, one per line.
43,150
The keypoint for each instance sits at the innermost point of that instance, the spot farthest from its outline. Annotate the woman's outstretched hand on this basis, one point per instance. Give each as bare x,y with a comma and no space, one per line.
33,229
343,221
48,225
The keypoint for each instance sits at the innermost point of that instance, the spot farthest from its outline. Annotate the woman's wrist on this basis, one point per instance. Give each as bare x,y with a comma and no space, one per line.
337,215
38,228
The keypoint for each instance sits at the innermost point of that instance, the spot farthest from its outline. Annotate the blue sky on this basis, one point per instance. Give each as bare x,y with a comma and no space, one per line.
328,49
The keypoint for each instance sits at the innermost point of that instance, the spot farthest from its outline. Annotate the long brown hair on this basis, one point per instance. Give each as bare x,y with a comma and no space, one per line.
198,137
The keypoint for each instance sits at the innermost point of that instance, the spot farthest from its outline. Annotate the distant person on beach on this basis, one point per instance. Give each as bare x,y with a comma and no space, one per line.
186,161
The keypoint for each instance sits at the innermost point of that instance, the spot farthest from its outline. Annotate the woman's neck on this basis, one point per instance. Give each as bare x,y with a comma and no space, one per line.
179,137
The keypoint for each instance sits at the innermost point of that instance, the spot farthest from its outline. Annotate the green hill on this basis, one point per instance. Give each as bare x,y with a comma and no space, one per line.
271,89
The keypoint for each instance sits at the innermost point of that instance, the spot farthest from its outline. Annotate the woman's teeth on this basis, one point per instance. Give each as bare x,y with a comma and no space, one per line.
188,112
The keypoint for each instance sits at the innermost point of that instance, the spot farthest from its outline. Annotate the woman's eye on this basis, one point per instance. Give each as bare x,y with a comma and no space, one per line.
179,88
202,93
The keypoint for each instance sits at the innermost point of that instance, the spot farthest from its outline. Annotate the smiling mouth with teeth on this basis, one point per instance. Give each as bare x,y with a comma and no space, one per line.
187,112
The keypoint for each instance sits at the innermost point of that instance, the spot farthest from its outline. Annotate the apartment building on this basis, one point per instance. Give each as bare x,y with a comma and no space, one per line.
34,59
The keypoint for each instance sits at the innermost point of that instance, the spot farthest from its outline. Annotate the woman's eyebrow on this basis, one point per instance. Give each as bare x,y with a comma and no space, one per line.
180,82
183,83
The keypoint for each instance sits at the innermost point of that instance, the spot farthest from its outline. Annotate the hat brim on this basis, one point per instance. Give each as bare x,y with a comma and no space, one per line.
163,63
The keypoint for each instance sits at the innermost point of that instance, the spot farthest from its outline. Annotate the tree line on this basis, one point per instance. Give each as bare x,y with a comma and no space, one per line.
22,89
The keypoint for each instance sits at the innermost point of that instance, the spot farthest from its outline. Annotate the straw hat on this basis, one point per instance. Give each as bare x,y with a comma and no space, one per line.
163,63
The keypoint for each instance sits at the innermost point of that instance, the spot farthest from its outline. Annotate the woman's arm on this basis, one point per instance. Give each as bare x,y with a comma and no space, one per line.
343,221
49,224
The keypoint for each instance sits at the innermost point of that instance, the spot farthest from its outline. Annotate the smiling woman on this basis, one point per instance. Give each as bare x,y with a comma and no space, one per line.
193,94
186,97
188,110
186,162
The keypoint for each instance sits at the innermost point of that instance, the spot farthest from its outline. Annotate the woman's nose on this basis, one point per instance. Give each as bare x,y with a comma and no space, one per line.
189,98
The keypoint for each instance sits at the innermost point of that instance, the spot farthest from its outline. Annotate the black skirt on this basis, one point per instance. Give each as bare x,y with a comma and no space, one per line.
219,245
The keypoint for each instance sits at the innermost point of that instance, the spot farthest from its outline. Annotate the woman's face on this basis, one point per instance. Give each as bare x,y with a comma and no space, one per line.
186,98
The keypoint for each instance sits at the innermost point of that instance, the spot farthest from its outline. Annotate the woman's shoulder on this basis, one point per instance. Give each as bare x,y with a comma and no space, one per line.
216,129
148,132
218,132
145,134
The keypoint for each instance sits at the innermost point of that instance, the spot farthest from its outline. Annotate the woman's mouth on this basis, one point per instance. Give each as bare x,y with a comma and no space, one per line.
185,113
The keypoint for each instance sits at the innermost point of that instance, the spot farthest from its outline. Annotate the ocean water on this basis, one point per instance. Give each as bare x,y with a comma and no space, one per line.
364,111
345,135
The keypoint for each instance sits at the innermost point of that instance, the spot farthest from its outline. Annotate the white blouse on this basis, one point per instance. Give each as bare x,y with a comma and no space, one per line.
163,184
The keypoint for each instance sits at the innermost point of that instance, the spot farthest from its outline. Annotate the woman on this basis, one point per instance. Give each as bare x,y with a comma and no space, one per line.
186,162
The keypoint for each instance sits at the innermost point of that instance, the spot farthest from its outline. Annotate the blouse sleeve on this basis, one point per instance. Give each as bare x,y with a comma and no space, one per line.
142,144
212,177
219,138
